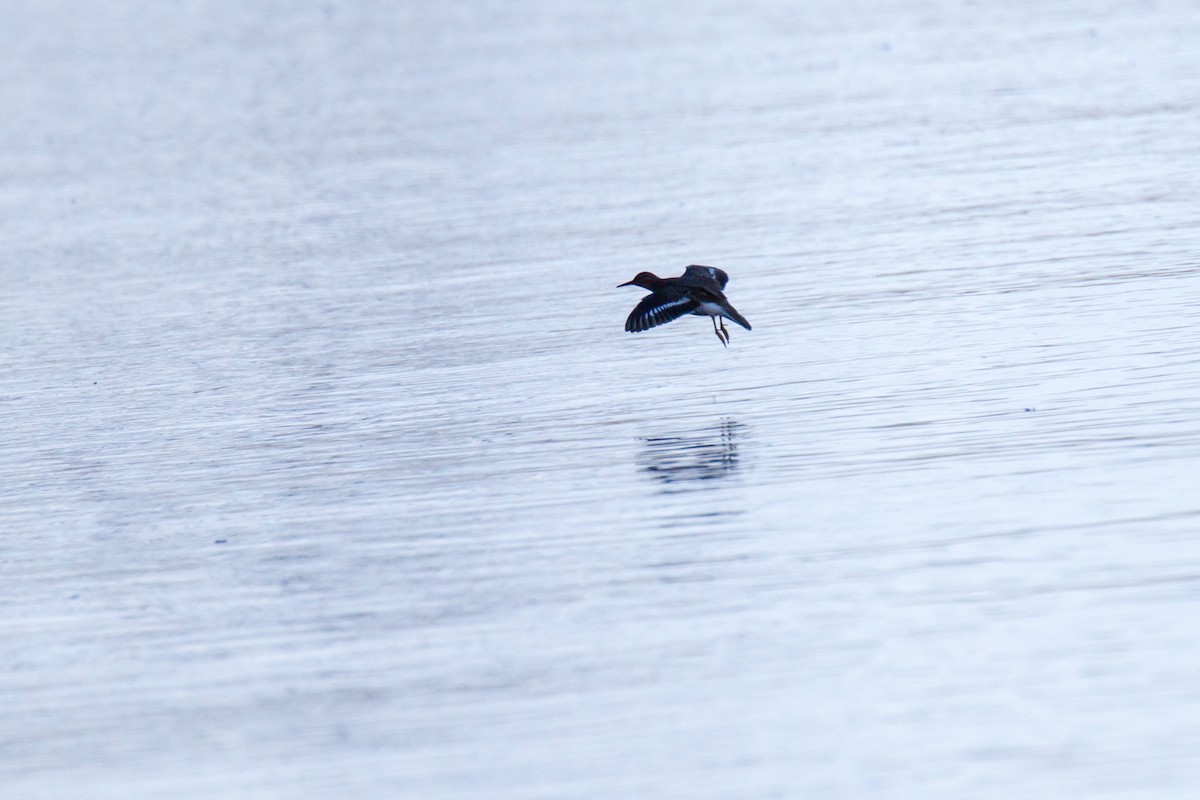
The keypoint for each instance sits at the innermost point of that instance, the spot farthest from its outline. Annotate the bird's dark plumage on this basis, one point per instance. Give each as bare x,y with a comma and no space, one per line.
658,308
699,290
703,277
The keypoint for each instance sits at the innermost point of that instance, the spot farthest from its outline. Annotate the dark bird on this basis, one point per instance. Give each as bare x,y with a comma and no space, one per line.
699,290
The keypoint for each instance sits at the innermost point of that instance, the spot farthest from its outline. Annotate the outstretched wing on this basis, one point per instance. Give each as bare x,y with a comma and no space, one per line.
658,309
705,277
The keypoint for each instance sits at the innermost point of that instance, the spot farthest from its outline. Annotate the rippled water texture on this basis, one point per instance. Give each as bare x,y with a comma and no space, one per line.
328,470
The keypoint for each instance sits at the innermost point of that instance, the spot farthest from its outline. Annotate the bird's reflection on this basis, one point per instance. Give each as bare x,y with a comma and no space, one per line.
706,455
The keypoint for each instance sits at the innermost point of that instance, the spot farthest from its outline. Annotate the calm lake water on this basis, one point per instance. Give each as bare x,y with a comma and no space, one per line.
328,470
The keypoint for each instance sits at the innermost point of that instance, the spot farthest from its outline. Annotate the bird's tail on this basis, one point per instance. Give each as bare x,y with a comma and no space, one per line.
733,314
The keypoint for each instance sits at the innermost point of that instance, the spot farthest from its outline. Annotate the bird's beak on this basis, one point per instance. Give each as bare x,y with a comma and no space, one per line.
626,283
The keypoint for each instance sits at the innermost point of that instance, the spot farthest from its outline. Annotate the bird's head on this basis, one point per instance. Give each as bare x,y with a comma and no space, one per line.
646,280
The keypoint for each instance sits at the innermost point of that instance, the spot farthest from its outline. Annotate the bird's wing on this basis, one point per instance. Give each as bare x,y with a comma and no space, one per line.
697,275
658,309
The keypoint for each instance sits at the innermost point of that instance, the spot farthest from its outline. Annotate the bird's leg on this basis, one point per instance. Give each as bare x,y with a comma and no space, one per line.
718,332
725,331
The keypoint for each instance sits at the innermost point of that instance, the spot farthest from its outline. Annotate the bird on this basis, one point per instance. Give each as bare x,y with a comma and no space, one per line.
699,290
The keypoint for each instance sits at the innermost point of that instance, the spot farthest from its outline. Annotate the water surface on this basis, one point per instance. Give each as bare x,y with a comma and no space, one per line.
328,468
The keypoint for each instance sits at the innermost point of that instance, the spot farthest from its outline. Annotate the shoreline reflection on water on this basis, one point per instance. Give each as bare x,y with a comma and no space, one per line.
676,461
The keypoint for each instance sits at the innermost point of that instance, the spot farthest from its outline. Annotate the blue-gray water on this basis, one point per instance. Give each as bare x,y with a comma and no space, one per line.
328,471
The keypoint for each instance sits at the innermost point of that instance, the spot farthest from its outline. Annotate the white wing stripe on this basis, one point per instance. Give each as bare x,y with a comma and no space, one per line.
658,309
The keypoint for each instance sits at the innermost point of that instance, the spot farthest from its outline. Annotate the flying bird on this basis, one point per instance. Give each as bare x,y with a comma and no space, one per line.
699,290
